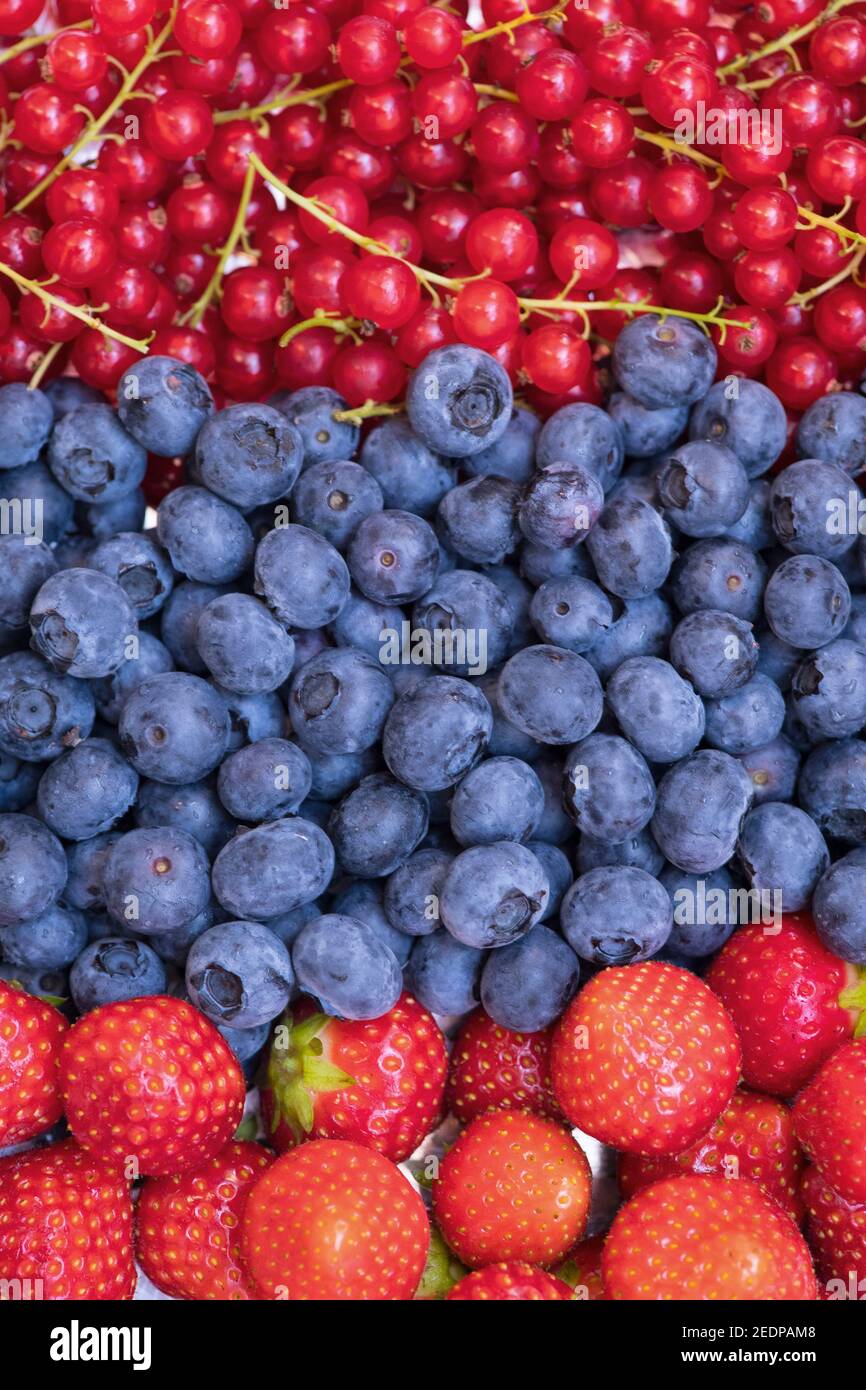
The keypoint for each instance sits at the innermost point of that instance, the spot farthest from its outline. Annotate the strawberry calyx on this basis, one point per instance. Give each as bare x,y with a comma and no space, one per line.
298,1071
853,999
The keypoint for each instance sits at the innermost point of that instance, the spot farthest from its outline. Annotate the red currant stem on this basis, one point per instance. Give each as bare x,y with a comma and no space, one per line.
196,313
366,411
34,40
667,142
783,44
324,319
477,36
806,219
31,287
93,129
586,306
44,363
499,93
289,96
806,296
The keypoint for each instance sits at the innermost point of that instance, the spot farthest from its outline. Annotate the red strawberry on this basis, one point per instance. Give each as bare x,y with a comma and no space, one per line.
495,1069
65,1225
151,1080
753,1138
791,1000
30,1034
334,1221
512,1279
513,1186
187,1225
836,1231
706,1238
379,1082
645,1058
830,1120
582,1270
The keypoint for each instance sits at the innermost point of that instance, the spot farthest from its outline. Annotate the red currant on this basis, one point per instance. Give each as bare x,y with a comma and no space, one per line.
765,218
677,85
300,134
307,359
602,133
17,16
316,276
81,192
187,345
79,252
433,38
767,279
244,370
207,28
621,194
583,253
382,114
504,137
368,49
227,157
76,59
46,119
429,328
293,40
369,371
836,169
48,321
136,171
255,303
142,234
486,314
101,361
617,59
556,357
837,50
502,242
680,198
553,85
691,281
799,371
178,125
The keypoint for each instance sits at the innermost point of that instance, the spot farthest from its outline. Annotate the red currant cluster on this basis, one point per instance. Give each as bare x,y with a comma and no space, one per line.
321,193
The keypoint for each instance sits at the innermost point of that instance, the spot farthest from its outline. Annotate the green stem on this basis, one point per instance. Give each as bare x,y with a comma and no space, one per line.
31,287
367,411
196,313
36,40
322,320
788,39
44,363
290,96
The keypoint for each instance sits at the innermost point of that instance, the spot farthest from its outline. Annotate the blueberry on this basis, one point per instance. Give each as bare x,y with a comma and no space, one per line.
478,519
82,623
856,629
754,528
85,862
273,868
702,906
513,454
412,892
264,780
551,694
560,505
26,568
339,701
140,567
459,401
334,774
663,361
829,691
151,659
555,826
646,432
781,850
583,434
807,601
26,421
833,428
832,789
470,622
86,790
179,622
312,411
808,508
361,622
32,493
656,709
722,574
287,925
715,651
639,850
32,868
747,418
207,540
93,457
50,941
67,392
773,770
195,808
500,799
301,576
838,907
155,879
18,783
408,473
538,563
444,975
240,974
249,455
164,403
572,613
615,915
642,628
364,899
246,1043
493,894
556,866
244,648
436,732
630,546
506,740
704,488
332,498
608,788
173,945
526,985
114,969
343,964
700,806
777,659
377,826
174,728
749,718
101,521
518,595
252,717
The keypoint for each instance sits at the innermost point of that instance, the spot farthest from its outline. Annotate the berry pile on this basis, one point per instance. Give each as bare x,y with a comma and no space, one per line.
400,810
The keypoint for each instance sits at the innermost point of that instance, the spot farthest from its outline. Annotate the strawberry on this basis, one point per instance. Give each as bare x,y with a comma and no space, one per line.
495,1069
830,1120
187,1225
512,1279
836,1231
752,1138
645,1058
513,1186
65,1225
151,1080
379,1082
332,1220
30,1034
582,1270
792,1001
706,1238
